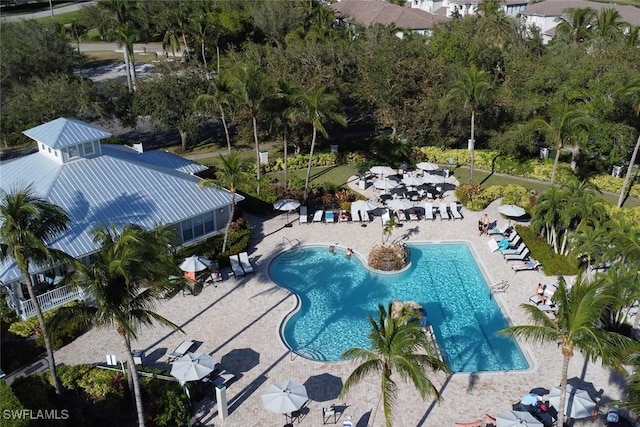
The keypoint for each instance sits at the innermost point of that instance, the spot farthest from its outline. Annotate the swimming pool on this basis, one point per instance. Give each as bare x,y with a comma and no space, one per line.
337,292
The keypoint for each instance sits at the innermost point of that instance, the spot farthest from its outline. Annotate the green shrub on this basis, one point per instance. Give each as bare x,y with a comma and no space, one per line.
10,402
36,392
93,381
552,263
166,402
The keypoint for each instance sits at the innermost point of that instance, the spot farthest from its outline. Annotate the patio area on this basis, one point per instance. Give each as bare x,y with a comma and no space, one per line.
238,323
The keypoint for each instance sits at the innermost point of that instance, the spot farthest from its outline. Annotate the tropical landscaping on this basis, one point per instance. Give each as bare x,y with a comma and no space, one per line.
483,96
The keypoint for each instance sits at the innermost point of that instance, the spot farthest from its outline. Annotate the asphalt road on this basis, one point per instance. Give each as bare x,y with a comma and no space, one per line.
46,13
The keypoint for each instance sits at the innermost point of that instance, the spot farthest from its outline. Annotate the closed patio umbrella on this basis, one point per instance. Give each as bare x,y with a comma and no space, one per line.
517,419
284,397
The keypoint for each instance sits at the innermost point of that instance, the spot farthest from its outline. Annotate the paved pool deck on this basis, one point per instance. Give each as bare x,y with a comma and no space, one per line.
238,322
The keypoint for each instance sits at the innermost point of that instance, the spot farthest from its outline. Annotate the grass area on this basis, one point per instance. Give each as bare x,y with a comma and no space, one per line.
62,19
337,175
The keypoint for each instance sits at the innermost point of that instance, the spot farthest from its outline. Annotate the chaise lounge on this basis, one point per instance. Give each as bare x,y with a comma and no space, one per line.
243,257
518,257
318,215
304,216
235,266
527,265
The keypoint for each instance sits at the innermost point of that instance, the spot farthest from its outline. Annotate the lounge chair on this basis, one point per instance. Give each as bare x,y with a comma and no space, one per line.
317,216
235,266
386,217
328,413
512,237
413,216
527,265
304,216
329,217
518,257
181,350
443,211
428,211
516,251
402,215
243,257
453,207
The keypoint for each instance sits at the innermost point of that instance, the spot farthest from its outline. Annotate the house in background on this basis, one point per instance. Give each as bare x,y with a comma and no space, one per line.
546,15
370,12
102,184
463,8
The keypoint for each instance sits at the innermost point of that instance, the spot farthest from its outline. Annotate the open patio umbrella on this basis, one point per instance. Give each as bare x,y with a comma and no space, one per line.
433,179
517,419
427,166
383,184
511,211
284,397
193,264
363,205
412,181
286,205
382,170
578,401
192,367
397,204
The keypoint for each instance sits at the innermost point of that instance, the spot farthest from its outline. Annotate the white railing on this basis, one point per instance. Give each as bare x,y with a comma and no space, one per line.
50,300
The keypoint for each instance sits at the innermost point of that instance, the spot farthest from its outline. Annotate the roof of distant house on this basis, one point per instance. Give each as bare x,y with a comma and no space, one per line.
369,12
629,14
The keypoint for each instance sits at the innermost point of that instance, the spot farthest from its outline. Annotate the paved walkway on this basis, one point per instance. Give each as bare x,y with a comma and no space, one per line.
238,323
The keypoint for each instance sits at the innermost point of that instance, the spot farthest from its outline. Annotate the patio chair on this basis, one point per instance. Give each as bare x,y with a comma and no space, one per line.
443,211
180,351
328,413
235,266
402,215
527,265
428,211
318,215
329,217
304,216
518,257
243,257
516,251
453,207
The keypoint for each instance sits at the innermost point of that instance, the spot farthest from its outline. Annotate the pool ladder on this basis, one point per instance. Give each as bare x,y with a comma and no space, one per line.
306,352
500,287
292,243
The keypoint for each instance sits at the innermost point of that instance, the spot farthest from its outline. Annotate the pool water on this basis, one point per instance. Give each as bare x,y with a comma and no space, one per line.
337,293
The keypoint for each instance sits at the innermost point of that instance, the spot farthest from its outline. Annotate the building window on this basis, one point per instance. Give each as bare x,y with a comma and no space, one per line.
88,148
73,151
197,226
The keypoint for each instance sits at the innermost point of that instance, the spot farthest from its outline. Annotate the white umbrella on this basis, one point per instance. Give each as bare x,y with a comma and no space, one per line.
397,204
195,263
286,205
426,166
517,419
432,179
382,170
511,211
284,397
412,181
363,205
383,184
581,404
192,367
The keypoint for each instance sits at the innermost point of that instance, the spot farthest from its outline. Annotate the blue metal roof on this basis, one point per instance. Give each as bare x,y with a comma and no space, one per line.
63,132
111,188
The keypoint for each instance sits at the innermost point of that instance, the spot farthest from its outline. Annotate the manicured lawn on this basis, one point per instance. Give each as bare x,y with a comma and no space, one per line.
337,175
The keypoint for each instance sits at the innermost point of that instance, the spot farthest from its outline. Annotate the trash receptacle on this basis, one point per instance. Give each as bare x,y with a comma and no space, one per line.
138,357
264,157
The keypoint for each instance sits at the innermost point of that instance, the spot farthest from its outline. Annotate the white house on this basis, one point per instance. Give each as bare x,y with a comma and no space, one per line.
546,15
464,7
106,184
370,12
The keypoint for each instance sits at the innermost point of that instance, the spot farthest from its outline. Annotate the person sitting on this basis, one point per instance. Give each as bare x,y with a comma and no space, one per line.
332,249
344,216
530,264
540,292
349,252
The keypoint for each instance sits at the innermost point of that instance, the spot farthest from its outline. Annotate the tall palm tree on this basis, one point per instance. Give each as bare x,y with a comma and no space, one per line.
578,27
608,25
27,224
230,173
400,346
576,327
130,271
565,121
472,89
251,89
632,92
285,97
317,108
219,99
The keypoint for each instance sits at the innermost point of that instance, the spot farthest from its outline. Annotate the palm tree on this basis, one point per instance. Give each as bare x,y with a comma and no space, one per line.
252,88
27,224
471,88
130,271
565,120
220,99
547,215
576,327
632,92
608,25
397,345
285,97
317,109
230,173
577,28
